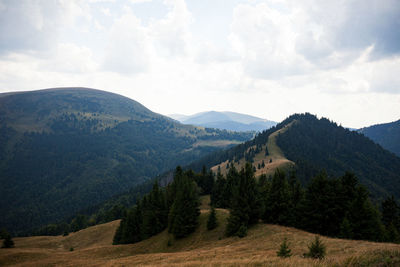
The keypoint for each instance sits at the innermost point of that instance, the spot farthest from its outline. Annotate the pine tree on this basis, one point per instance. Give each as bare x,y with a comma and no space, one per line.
278,200
184,212
346,231
212,220
284,251
365,218
155,213
245,203
316,249
390,212
296,195
217,191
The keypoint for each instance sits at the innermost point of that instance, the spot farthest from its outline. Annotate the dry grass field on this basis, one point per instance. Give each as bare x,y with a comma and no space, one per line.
92,247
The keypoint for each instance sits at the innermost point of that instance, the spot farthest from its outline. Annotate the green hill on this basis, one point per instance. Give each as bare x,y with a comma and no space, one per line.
313,145
62,150
386,134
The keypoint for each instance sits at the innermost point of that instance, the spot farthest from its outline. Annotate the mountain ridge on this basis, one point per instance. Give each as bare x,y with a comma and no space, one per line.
227,120
314,145
385,134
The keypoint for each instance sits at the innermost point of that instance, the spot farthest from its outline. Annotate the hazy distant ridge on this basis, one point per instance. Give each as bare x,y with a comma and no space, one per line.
225,120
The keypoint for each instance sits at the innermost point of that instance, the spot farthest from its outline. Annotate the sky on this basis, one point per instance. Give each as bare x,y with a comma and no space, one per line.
338,59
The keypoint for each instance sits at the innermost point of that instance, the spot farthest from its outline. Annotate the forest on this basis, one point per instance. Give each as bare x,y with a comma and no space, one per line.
335,207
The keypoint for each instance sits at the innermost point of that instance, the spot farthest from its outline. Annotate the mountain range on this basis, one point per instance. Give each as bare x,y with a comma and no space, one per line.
225,120
63,150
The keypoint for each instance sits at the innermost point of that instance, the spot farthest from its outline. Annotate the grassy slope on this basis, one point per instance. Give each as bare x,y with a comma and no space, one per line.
276,155
92,247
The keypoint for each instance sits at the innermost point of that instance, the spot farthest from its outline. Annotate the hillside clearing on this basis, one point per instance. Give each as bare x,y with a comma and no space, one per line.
274,160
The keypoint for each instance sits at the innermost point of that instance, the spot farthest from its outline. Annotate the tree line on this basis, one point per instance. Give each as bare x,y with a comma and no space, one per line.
336,207
175,207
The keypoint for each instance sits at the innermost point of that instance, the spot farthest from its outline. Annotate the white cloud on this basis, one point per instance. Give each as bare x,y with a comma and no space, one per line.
265,40
128,49
171,34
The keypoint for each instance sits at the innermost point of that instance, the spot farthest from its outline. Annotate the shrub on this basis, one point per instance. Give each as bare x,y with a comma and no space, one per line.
242,232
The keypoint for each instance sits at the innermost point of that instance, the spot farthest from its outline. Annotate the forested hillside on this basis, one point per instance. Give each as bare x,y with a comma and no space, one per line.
386,134
63,150
313,145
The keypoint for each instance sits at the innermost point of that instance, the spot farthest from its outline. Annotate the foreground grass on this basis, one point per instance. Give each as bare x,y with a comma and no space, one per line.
92,247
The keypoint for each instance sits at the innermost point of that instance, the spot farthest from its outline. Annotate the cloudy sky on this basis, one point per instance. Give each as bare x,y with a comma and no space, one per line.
338,59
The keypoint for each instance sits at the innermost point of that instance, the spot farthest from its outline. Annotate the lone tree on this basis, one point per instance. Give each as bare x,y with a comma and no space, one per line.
8,242
212,220
316,249
284,251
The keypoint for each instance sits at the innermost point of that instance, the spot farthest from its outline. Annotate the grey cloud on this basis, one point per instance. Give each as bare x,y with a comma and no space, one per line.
372,22
348,28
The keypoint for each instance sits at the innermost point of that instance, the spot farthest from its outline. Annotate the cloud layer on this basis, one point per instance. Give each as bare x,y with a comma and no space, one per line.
338,59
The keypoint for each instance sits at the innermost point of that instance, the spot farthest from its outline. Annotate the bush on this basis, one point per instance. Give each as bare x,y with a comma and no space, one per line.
316,249
8,242
284,251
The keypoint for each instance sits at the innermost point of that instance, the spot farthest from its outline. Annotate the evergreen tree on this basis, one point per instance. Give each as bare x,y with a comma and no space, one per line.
217,191
296,195
245,203
212,220
277,203
129,230
365,218
232,179
390,212
392,234
391,219
319,209
346,230
155,213
316,249
184,212
284,251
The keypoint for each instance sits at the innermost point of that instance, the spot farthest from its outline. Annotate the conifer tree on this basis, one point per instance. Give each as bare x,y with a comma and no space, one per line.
184,212
212,220
155,213
365,218
284,251
346,231
278,200
296,195
245,203
316,249
390,212
217,191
